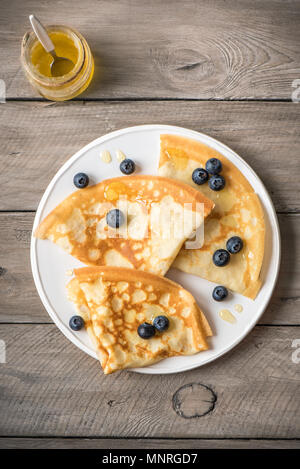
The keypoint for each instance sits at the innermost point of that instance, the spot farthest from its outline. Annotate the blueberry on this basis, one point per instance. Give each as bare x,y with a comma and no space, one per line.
221,257
220,293
146,330
161,323
234,244
76,323
81,180
115,218
127,166
213,166
217,183
200,176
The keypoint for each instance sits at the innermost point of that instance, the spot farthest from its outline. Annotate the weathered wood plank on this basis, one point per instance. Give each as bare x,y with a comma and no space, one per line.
209,49
51,388
16,276
36,139
143,443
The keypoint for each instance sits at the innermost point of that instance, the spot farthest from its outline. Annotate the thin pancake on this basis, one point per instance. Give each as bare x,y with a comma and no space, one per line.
237,212
149,241
115,301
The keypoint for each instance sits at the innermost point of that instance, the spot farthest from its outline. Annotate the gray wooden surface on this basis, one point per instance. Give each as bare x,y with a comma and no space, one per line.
156,62
39,137
211,49
49,387
146,443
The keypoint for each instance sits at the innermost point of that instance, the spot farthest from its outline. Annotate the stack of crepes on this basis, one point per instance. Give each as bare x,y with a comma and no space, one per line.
127,287
237,212
114,301
124,285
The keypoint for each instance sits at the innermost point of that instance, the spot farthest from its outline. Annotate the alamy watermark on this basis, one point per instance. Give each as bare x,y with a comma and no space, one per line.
2,351
2,91
296,353
164,221
296,93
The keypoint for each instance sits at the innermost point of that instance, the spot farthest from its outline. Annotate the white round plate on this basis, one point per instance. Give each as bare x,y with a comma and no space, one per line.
50,263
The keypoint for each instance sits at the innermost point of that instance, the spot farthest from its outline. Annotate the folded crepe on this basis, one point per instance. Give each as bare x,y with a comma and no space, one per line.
156,222
115,301
237,212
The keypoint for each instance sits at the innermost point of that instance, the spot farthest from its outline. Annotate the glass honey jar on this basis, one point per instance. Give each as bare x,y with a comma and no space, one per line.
36,62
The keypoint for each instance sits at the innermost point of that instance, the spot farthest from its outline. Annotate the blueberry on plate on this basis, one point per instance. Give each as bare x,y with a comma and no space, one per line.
146,330
200,176
76,323
115,218
127,166
81,180
234,245
213,166
161,323
220,293
216,183
221,257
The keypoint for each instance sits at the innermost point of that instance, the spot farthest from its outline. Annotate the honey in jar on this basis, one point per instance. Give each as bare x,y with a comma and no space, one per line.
36,63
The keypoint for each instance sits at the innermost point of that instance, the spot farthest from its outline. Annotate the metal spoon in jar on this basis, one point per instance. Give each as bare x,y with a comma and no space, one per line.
58,64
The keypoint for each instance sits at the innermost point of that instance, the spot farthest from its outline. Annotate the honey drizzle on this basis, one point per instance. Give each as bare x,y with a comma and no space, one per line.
227,316
238,308
178,157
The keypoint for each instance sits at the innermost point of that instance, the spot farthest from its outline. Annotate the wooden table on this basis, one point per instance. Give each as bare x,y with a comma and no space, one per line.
226,69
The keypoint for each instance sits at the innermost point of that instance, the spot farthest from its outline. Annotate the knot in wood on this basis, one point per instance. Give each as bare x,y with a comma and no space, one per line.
194,400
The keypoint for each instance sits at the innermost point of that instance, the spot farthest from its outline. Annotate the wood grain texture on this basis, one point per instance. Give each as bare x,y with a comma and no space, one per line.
20,301
143,443
208,49
37,138
51,388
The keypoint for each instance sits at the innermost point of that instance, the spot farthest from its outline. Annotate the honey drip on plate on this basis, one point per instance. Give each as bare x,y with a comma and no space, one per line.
227,316
238,308
105,156
120,156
